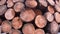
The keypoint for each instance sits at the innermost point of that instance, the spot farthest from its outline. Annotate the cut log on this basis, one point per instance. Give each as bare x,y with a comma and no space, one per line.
17,23
10,13
28,29
40,21
39,31
27,15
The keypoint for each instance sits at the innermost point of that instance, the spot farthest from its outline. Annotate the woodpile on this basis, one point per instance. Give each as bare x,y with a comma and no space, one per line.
29,16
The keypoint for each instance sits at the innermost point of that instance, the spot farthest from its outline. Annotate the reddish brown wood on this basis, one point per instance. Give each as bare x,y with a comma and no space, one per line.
40,21
57,17
13,31
27,15
37,12
17,23
49,16
43,3
51,9
3,9
54,27
2,2
6,26
10,3
28,29
39,31
9,14
31,4
18,7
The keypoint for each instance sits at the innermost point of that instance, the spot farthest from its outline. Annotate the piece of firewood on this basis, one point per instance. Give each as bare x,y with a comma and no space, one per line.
57,7
27,15
18,7
54,27
31,4
28,29
43,3
10,3
51,2
6,26
49,16
39,31
13,31
57,17
17,23
10,13
2,2
40,21
3,9
51,9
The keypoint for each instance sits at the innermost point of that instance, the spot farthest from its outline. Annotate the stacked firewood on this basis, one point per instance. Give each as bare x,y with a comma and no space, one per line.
29,16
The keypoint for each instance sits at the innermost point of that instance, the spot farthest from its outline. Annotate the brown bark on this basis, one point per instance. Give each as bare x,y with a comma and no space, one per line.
17,23
28,29
6,26
9,14
49,16
27,15
10,3
54,28
18,7
3,9
31,4
39,31
40,21
57,17
51,9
